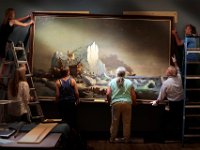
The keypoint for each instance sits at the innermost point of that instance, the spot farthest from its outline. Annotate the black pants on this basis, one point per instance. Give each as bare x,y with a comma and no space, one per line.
173,120
68,112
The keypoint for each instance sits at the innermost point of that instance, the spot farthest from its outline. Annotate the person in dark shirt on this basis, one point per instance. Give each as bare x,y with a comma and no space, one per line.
190,30
67,96
7,27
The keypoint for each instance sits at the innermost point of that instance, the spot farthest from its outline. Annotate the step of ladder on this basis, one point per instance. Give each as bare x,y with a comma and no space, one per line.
192,115
192,106
192,77
191,135
22,62
8,62
19,48
32,89
38,117
197,62
193,89
194,102
194,128
193,50
29,75
34,103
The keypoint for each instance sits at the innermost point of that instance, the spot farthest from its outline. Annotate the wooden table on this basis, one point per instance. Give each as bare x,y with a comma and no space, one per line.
50,141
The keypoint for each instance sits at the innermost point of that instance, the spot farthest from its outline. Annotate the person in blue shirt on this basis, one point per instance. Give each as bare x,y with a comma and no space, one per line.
121,96
67,96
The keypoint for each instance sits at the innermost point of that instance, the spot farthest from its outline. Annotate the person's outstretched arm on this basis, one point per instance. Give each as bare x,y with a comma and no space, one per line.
24,18
175,62
179,42
18,23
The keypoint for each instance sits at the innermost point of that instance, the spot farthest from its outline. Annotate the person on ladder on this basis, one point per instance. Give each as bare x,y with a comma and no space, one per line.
6,29
189,31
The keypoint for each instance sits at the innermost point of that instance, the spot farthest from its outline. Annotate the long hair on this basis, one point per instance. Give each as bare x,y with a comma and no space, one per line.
18,77
121,72
8,15
193,28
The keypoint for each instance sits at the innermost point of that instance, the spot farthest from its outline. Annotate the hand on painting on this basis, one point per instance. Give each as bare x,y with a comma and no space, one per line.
174,32
31,22
154,103
77,102
174,59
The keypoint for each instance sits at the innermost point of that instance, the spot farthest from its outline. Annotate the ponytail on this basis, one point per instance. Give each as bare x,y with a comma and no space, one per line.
121,71
120,82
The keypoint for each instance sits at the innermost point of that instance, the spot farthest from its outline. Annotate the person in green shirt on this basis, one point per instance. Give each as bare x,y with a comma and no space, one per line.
121,96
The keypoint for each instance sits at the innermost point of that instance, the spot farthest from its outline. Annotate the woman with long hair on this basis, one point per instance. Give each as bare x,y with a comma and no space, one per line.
7,27
18,89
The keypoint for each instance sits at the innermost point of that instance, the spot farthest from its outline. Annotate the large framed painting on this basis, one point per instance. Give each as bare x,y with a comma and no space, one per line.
93,46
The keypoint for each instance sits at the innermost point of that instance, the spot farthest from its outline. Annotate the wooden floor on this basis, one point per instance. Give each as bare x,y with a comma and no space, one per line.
106,145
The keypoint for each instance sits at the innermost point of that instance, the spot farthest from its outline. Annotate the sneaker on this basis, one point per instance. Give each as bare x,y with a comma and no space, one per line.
126,140
115,140
111,140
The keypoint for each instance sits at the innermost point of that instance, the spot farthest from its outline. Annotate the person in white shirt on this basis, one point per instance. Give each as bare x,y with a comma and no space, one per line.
172,88
172,91
18,89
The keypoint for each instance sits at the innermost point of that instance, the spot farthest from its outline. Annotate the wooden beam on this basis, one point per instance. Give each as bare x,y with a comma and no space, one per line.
154,13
